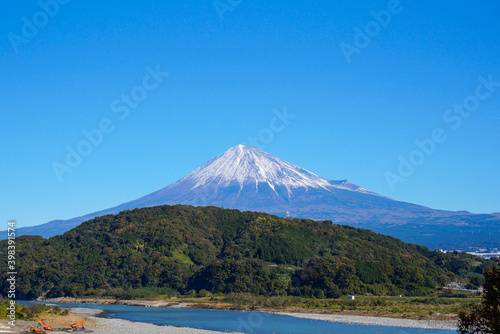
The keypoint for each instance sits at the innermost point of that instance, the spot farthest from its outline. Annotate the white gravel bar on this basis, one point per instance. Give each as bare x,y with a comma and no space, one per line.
119,326
380,321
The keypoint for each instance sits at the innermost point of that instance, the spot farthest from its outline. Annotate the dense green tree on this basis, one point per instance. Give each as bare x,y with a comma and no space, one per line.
484,318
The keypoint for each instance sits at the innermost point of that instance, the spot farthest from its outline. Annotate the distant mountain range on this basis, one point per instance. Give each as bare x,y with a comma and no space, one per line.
250,179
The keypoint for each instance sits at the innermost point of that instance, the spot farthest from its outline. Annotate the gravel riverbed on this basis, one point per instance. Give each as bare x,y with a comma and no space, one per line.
381,321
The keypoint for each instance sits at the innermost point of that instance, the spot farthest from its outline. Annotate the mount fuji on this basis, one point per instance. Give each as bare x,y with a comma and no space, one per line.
249,179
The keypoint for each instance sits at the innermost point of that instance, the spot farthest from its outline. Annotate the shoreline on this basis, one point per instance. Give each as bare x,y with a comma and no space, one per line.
320,315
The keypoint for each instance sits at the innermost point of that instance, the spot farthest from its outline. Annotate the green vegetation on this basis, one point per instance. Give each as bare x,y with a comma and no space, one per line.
30,311
412,307
183,250
148,293
485,317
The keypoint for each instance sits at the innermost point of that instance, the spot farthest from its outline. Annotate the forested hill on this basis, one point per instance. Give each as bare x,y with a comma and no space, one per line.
183,249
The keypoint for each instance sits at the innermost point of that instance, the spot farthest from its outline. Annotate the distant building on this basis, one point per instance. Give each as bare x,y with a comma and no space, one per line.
486,255
351,297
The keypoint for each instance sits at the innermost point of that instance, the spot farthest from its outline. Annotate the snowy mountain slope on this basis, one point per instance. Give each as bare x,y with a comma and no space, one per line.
248,178
243,170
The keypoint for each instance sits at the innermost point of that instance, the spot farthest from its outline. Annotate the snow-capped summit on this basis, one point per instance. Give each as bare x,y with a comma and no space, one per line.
245,168
247,165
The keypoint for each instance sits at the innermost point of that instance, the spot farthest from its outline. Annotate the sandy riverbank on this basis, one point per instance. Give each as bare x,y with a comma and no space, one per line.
103,301
380,321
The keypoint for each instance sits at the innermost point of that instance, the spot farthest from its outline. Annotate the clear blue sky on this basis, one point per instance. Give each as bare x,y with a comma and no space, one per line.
228,70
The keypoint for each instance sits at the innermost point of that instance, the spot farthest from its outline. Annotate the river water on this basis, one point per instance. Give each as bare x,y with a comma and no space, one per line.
242,321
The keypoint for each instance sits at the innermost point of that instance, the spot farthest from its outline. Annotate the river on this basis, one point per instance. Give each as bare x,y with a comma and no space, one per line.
242,321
